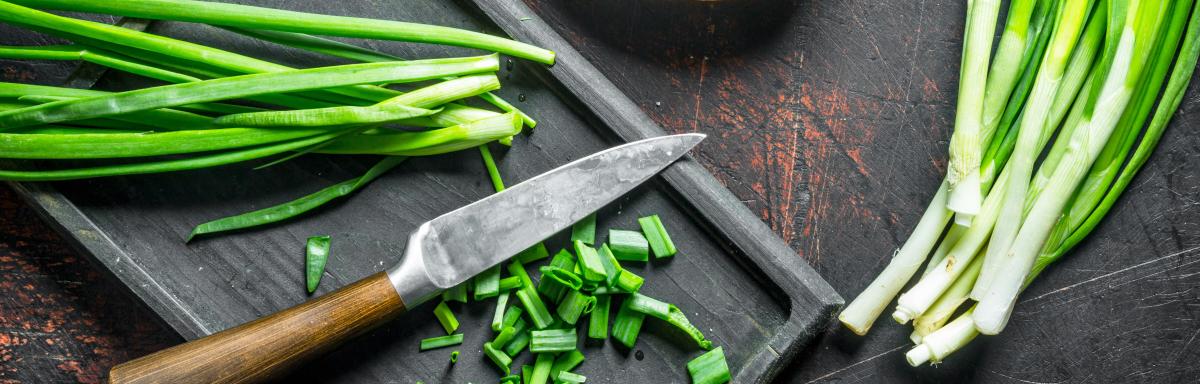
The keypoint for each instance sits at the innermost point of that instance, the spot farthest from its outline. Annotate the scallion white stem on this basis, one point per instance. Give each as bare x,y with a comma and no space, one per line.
966,145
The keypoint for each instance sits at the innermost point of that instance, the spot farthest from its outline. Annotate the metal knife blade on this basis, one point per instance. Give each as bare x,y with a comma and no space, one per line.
451,248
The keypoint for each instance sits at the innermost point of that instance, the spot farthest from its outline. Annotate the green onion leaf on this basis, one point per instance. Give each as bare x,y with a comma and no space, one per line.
457,293
585,230
612,268
573,305
541,368
553,340
510,283
441,341
589,262
505,336
487,283
499,314
490,163
446,317
628,245
629,282
566,362
598,319
533,254
314,260
453,357
510,379
627,324
565,377
709,368
502,360
657,236
295,207
518,343
530,299
669,313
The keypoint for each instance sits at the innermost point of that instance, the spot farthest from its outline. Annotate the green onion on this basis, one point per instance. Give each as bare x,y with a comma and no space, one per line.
612,268
510,379
314,260
533,254
526,373
657,236
453,357
457,293
296,207
573,305
518,343
553,340
505,336
598,319
512,317
566,362
585,230
628,282
499,315
530,299
490,164
446,317
316,44
431,142
502,360
627,324
242,86
709,368
441,341
670,314
95,56
510,283
557,278
966,145
565,377
487,283
628,245
243,16
541,368
589,262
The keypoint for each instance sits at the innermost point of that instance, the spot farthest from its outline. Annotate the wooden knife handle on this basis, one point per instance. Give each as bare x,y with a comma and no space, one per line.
269,347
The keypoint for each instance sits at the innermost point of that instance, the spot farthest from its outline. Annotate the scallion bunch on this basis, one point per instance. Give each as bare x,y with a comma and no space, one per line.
1100,78
220,107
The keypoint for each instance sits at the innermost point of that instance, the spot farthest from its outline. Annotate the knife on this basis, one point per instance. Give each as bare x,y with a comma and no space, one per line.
440,254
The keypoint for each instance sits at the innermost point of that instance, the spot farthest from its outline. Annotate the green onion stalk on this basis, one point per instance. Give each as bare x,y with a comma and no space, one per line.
966,145
1126,61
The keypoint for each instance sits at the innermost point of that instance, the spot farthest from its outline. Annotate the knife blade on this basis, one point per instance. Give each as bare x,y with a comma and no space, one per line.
451,248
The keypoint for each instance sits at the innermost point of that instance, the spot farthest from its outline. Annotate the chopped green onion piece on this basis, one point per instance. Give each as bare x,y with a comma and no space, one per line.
487,283
541,368
598,320
510,379
589,262
526,373
566,362
533,254
511,317
505,336
629,282
565,377
446,317
628,245
709,368
490,163
457,293
441,341
612,268
558,282
573,305
657,236
553,340
561,276
605,291
453,357
529,297
498,316
585,230
314,260
518,343
299,206
510,283
669,313
499,357
627,324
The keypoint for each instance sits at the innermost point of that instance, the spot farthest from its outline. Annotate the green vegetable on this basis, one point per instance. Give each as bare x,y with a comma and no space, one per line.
557,278
628,245
504,336
511,379
453,357
565,377
502,360
657,237
530,299
314,260
533,254
670,314
510,283
243,16
490,164
518,343
499,317
629,282
598,319
512,317
589,262
446,317
457,293
487,283
709,368
526,373
442,342
612,268
541,368
295,207
585,230
573,305
627,324
566,361
553,340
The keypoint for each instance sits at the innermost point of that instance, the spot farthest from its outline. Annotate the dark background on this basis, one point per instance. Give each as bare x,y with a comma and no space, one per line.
829,120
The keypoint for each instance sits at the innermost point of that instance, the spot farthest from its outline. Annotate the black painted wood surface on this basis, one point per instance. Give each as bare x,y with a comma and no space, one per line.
829,119
736,280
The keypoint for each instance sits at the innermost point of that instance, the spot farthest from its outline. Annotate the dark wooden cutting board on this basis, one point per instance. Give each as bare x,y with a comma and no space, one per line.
736,280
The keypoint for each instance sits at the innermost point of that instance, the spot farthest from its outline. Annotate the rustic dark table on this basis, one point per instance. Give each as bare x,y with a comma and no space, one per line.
831,120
